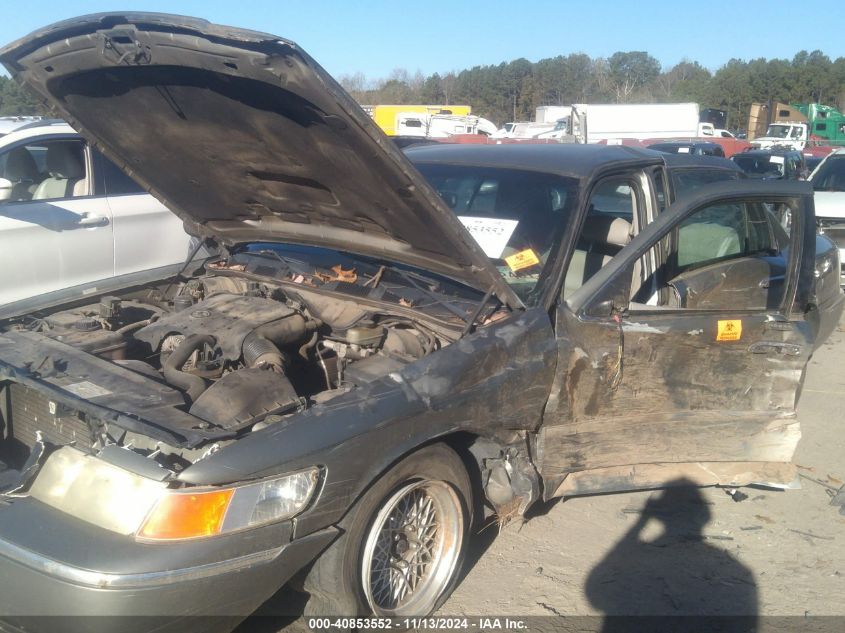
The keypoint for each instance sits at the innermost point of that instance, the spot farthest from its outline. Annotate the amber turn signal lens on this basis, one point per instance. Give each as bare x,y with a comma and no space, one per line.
187,515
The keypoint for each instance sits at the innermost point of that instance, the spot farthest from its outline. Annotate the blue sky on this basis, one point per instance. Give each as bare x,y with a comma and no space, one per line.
376,36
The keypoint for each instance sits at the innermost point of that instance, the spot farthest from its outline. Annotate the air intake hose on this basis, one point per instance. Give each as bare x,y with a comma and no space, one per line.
172,370
261,346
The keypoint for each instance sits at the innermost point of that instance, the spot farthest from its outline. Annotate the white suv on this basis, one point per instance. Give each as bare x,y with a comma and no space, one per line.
69,216
829,192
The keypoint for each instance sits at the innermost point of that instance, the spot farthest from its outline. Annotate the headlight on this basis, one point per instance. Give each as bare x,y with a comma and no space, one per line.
106,495
824,266
184,514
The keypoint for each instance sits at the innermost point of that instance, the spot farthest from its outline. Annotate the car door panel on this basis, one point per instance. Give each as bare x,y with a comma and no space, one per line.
49,245
146,234
642,391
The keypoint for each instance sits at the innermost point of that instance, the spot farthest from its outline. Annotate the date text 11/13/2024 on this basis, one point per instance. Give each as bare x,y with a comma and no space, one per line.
429,623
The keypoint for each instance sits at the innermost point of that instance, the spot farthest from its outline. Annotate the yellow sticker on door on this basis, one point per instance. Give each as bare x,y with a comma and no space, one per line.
522,259
729,330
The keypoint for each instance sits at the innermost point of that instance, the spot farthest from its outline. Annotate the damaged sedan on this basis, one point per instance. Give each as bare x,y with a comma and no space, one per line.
378,358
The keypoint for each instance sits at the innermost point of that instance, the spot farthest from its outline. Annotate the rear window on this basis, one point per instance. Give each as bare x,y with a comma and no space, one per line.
688,180
762,165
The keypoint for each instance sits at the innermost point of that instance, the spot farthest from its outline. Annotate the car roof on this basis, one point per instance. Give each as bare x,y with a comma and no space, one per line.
38,128
41,123
573,160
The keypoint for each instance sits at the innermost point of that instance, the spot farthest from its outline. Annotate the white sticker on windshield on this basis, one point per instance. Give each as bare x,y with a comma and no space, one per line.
86,389
683,150
492,234
777,160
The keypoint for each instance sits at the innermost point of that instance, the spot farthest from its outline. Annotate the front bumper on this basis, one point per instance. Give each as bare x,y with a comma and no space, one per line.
39,593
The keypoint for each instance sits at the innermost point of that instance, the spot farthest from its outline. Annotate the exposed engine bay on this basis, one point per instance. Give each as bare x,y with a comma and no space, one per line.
222,356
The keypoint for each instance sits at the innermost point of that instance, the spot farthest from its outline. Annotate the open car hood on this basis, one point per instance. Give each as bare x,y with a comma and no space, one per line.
246,138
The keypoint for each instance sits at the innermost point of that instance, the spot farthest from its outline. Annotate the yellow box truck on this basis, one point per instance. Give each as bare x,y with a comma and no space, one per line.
385,115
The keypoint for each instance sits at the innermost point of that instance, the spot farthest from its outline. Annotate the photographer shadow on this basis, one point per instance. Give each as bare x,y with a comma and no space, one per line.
656,583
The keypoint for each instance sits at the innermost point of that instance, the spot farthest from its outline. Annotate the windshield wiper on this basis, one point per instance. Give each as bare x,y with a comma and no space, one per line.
270,251
409,277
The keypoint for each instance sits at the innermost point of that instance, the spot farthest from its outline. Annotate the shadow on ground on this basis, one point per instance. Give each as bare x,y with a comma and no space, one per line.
665,566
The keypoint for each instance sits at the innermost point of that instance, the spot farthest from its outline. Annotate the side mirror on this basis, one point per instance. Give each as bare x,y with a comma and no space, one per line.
6,186
602,308
606,309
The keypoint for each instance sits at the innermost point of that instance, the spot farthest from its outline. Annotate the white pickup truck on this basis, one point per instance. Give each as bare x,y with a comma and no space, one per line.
792,135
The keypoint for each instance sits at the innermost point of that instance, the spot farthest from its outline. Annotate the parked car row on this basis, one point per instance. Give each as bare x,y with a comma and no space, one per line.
388,347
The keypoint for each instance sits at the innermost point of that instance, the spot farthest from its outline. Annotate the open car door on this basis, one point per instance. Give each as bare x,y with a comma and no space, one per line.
682,359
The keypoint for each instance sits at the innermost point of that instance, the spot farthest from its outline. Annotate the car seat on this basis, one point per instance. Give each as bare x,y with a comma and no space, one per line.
66,166
602,237
22,171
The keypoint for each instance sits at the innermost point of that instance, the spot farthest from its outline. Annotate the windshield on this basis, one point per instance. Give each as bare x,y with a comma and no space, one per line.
830,176
778,131
516,216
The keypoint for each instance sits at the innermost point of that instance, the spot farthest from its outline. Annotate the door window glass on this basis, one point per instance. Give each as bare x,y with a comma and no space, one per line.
659,190
45,170
721,232
725,256
115,182
608,227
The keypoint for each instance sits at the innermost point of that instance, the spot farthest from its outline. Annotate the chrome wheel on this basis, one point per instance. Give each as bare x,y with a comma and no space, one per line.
412,548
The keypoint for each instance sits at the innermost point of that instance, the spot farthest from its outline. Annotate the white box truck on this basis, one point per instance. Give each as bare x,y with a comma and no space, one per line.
591,123
550,114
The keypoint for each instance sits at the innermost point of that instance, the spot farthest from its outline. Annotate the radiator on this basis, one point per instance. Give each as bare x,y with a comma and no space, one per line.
30,411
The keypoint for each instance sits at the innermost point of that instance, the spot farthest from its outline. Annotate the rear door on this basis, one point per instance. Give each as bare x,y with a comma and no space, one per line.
689,369
147,234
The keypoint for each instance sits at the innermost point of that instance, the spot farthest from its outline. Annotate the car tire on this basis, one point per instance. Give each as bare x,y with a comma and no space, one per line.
403,542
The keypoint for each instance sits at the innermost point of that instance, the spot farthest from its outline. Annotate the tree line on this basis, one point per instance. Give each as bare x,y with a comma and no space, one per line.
14,100
512,91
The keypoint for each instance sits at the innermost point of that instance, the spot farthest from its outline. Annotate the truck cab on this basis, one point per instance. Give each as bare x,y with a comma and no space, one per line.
791,135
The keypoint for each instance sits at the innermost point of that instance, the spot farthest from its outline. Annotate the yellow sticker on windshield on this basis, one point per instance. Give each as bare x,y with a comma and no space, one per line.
729,330
522,259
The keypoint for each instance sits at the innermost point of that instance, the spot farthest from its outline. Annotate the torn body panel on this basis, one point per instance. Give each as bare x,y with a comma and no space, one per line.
658,388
